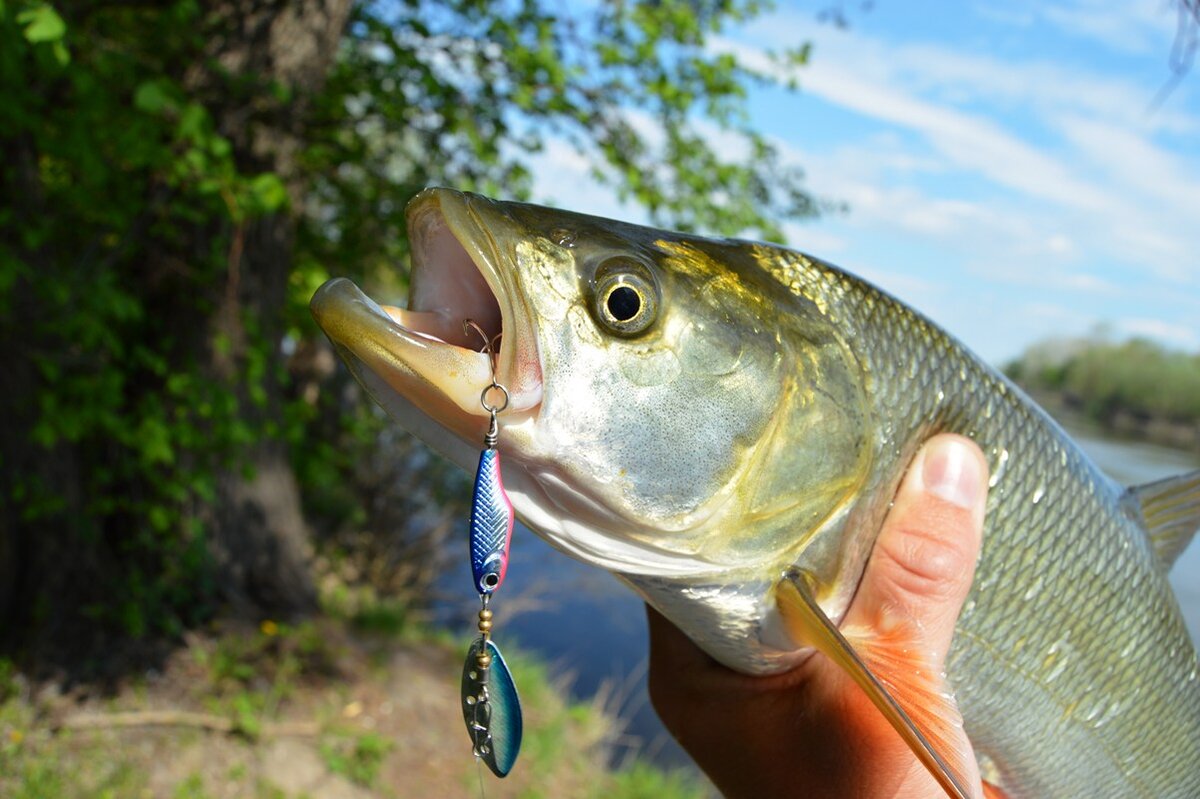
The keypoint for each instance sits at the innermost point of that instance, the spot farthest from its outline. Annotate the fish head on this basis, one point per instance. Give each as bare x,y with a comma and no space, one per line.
675,412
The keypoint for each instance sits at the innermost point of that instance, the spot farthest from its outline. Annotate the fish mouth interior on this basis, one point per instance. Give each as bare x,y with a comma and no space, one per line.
426,357
465,298
448,288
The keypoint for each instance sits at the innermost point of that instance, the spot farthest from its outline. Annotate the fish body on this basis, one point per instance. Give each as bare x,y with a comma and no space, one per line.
699,416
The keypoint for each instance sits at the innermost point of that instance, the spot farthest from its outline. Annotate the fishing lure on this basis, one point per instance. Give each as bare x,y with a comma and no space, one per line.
490,705
491,510
491,708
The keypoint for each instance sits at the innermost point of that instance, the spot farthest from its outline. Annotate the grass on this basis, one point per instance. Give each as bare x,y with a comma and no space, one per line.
641,781
35,764
356,756
260,676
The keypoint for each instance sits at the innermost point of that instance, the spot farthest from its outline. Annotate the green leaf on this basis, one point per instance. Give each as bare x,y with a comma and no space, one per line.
154,96
155,441
268,191
42,24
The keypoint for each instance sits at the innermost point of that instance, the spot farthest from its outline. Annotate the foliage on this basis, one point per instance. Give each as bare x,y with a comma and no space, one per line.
1107,378
129,200
134,191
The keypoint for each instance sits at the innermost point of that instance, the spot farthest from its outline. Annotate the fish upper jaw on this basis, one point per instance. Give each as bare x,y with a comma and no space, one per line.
423,354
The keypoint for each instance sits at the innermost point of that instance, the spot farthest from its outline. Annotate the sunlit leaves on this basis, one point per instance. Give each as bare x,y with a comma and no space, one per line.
465,94
125,231
157,95
41,24
266,193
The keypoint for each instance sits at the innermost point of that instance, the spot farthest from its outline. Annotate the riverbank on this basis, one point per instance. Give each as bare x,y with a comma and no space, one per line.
1134,389
326,708
1120,424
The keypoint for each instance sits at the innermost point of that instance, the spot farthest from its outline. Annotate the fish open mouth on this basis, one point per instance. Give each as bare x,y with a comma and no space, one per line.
426,353
447,287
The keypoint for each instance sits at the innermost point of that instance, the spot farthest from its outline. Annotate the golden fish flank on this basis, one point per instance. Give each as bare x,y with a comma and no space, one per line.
698,416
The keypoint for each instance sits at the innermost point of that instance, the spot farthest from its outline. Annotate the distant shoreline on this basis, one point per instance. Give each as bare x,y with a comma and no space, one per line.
1135,389
1123,424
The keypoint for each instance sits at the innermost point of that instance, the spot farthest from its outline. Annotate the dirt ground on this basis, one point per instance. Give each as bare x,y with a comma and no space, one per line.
318,712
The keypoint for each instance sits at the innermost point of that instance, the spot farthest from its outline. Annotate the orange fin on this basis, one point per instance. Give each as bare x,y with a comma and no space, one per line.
894,674
992,792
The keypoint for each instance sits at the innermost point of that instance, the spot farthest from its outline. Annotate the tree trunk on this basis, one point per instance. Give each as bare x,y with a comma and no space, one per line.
56,563
259,537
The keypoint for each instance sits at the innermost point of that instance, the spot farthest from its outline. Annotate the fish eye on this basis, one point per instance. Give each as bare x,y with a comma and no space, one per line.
626,297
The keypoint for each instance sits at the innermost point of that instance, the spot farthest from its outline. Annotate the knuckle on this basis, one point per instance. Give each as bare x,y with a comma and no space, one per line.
929,561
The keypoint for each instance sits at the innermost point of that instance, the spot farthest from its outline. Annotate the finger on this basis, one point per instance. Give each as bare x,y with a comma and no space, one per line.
924,559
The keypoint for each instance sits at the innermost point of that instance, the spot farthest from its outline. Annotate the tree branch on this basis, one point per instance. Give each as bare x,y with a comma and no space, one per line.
183,718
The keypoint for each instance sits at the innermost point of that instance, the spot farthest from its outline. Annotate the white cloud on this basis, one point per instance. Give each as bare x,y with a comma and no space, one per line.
1182,336
986,182
562,177
1076,145
1135,163
814,239
1139,27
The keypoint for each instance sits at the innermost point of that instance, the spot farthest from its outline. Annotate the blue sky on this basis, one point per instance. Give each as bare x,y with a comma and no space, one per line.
1003,170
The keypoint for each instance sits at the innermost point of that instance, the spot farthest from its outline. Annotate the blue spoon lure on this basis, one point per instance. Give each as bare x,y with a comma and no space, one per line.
491,524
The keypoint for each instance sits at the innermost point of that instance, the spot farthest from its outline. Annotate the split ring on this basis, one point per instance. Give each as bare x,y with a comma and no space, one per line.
483,398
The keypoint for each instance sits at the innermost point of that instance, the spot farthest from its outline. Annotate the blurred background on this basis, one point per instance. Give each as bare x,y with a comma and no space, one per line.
223,573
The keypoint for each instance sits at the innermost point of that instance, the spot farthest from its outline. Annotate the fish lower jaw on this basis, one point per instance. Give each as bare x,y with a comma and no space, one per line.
587,530
438,355
623,556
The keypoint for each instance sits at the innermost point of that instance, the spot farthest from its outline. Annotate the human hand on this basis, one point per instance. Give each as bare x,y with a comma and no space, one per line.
812,732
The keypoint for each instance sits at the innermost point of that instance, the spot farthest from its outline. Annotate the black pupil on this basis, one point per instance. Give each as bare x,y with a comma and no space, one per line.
624,303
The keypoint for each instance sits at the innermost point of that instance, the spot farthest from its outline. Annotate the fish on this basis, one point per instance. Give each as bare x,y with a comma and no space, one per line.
723,423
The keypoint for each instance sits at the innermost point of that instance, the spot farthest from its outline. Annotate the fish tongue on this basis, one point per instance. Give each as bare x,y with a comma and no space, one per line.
893,671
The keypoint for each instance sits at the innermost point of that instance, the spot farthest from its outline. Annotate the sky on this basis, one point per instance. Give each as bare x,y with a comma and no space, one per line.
1003,169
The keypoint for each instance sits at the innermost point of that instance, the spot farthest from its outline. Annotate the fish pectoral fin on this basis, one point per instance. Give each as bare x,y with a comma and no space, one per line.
892,669
1170,509
992,792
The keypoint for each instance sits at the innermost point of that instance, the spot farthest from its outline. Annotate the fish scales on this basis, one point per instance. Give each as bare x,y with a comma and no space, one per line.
698,416
1119,645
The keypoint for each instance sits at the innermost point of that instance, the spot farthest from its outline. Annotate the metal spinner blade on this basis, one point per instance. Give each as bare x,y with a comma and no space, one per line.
491,708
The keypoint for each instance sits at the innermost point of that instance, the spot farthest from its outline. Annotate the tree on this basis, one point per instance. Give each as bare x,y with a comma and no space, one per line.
177,179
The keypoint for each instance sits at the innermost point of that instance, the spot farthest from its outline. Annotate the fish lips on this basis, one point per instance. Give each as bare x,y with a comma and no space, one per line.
425,354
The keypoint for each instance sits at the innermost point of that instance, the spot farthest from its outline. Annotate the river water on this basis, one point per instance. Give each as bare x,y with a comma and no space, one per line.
592,630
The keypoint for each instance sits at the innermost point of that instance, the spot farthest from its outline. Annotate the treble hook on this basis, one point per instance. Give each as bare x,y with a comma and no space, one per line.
491,344
491,349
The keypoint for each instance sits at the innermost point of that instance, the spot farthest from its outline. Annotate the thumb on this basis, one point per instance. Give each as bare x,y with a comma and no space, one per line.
924,559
